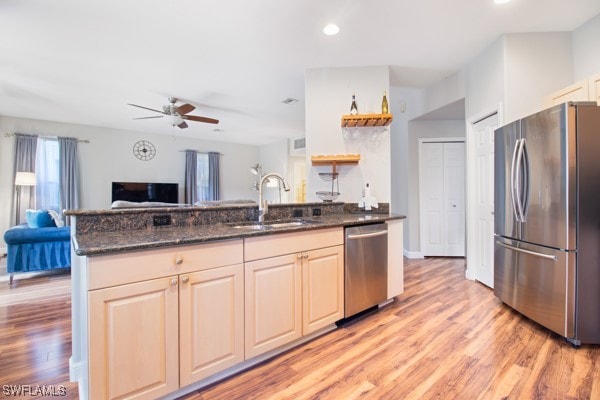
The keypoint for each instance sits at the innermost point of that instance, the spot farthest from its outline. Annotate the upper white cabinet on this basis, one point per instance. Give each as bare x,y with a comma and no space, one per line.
594,88
584,90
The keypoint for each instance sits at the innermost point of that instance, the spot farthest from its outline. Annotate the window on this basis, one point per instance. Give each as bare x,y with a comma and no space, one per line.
202,186
47,189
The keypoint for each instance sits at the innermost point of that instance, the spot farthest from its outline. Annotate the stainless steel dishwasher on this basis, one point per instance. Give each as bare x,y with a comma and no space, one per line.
365,275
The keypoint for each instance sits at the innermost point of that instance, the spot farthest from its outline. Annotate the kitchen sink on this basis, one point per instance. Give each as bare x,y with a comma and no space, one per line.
259,226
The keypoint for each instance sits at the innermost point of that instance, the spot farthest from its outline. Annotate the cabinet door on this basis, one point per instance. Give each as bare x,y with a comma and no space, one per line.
322,288
134,342
576,92
273,291
594,85
211,309
395,263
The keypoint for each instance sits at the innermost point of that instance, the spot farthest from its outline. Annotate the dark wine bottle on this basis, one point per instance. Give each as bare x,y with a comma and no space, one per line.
353,108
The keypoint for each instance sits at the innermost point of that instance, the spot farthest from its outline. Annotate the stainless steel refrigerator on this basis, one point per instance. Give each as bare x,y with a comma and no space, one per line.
547,219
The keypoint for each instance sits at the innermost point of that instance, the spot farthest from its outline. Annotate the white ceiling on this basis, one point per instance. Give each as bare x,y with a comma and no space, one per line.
82,61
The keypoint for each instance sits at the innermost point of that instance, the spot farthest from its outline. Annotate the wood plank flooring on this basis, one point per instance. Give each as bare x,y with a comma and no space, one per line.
444,338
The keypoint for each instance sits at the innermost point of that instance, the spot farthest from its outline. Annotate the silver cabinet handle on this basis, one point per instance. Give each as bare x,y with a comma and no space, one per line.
299,256
185,279
532,253
174,281
179,260
367,235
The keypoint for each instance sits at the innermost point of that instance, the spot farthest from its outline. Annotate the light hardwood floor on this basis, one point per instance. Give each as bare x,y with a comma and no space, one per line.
444,338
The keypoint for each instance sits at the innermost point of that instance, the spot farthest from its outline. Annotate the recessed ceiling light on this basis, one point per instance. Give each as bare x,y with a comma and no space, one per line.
501,1
289,100
331,29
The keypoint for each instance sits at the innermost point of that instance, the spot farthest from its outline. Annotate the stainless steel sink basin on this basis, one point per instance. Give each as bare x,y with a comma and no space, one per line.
250,227
259,226
285,224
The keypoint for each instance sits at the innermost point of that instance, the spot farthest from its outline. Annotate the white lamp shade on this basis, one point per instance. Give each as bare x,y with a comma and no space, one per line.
25,179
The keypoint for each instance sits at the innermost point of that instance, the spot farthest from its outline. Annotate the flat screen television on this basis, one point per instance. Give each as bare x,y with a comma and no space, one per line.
145,191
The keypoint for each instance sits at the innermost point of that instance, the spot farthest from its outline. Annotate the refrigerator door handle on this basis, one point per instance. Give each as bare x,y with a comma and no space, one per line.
512,180
519,183
525,194
532,253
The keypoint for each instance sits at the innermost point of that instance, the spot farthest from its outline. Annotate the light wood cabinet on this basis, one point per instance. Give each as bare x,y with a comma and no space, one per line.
273,305
322,288
148,338
395,258
584,90
291,295
579,91
134,340
211,322
594,87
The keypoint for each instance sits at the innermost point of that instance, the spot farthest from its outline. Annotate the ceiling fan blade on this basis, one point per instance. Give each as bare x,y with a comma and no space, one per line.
185,108
200,119
183,125
145,108
158,116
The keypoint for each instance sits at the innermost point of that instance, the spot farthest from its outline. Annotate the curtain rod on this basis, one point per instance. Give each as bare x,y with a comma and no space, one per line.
203,152
48,137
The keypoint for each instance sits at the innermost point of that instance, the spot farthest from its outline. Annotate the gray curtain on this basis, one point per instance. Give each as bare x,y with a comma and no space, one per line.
213,176
68,170
191,165
25,150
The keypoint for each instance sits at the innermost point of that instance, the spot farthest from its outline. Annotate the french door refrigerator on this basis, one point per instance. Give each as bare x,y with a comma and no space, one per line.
547,219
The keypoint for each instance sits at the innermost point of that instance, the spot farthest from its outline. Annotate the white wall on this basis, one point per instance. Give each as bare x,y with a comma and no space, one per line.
485,79
275,158
109,157
414,102
586,45
446,91
417,130
536,64
328,94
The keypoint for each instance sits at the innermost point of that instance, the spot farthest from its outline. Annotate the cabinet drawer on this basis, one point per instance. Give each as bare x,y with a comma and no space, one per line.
117,269
287,243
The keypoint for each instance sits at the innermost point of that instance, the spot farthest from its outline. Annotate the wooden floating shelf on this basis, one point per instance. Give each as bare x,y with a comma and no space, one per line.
335,160
350,121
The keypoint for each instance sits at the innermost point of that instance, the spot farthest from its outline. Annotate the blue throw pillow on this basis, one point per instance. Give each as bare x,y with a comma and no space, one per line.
39,219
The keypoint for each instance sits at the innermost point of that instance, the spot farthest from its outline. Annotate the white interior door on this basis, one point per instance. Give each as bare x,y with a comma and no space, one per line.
442,198
482,261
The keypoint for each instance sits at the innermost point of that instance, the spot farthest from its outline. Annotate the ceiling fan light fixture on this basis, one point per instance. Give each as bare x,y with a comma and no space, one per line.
174,120
331,29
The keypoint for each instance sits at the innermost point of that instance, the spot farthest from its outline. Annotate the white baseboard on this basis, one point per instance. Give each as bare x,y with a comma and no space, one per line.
413,254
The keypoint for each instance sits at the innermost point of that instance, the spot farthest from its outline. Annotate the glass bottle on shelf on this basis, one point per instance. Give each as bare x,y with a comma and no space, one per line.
353,108
384,104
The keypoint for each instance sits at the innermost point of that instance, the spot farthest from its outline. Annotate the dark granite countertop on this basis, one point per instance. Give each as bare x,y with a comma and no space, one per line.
98,243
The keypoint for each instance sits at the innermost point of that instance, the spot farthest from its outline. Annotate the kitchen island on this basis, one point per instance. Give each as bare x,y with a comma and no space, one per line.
159,311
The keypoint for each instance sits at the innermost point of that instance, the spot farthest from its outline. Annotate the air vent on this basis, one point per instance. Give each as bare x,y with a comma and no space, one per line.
298,147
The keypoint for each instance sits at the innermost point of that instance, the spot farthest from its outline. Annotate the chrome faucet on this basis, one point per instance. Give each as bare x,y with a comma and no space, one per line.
264,208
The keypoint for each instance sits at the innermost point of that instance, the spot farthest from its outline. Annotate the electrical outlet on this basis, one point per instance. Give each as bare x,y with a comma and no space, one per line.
297,214
162,220
316,211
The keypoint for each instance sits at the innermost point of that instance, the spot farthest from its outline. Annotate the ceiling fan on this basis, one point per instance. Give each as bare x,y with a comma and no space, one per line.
177,114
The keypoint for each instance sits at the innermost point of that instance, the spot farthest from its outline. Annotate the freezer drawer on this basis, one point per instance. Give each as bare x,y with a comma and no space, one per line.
539,282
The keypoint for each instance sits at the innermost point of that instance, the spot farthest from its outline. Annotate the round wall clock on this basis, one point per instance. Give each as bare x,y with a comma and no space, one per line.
144,150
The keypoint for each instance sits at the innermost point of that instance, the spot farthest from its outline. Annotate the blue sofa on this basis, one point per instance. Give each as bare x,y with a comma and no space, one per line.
37,249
